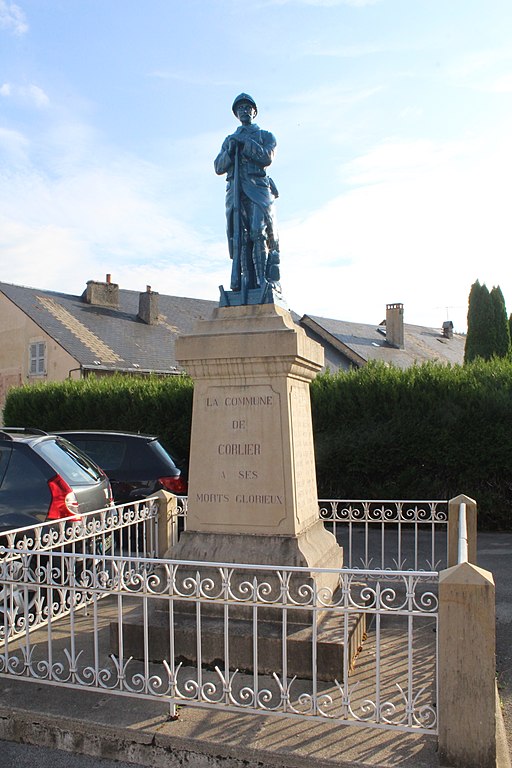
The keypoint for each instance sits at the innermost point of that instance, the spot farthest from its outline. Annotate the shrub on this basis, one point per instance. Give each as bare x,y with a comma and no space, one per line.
152,405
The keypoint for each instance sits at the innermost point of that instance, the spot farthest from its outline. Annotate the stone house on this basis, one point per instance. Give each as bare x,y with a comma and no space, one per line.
52,336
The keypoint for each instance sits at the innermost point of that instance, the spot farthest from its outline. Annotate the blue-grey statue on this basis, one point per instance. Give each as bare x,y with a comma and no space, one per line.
250,193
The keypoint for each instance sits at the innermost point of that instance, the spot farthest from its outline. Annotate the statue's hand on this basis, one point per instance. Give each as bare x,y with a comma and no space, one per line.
234,140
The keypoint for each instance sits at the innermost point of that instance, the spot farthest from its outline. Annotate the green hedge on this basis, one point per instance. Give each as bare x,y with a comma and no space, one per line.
152,405
427,432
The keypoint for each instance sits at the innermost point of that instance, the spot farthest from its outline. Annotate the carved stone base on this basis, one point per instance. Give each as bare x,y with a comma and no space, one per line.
242,633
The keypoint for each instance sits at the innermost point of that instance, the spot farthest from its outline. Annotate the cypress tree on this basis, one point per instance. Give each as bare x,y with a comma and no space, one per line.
501,327
480,324
488,329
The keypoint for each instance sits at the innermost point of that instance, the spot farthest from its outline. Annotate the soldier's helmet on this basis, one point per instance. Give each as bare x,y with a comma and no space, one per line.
243,97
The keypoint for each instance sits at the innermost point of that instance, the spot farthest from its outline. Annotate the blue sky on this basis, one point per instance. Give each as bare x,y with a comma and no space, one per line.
393,121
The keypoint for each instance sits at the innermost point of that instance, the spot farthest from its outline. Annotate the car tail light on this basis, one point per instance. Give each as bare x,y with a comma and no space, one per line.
64,502
174,484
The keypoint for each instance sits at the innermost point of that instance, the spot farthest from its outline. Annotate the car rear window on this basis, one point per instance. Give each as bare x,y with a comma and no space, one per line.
108,454
24,473
74,466
160,451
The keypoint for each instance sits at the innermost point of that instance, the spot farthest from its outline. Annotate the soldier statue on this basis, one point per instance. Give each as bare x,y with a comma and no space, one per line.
250,194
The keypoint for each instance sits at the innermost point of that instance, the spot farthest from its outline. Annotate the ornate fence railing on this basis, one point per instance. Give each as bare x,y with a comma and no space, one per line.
86,604
391,534
249,638
33,585
400,535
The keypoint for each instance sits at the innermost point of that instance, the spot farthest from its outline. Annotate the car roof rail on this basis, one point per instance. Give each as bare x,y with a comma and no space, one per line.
8,431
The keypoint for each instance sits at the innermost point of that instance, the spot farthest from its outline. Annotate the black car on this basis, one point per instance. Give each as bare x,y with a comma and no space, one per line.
137,465
45,478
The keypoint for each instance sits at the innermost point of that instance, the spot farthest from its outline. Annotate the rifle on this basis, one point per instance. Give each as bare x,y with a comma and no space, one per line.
236,267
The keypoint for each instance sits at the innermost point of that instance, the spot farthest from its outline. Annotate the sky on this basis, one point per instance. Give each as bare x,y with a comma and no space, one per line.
393,121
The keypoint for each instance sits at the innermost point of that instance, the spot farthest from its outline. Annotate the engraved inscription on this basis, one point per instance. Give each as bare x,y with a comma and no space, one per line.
242,464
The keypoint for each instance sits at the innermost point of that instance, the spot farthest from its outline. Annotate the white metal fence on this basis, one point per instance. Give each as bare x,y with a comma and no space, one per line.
384,534
157,629
34,585
401,535
81,607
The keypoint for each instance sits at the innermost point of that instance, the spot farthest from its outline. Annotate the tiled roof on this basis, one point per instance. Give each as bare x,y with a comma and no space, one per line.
361,342
111,338
115,339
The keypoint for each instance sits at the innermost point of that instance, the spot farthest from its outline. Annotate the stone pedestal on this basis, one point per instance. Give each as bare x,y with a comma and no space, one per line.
252,484
252,501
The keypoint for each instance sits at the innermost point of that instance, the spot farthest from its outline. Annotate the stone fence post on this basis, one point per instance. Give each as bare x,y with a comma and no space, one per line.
453,528
167,521
467,666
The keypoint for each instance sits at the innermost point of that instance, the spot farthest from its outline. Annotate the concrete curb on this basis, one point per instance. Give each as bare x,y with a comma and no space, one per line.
141,732
153,744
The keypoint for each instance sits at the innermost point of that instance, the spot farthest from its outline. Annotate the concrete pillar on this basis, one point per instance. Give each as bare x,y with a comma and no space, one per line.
167,521
453,528
252,482
467,667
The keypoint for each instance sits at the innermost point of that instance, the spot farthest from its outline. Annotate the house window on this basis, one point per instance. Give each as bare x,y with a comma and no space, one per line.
37,362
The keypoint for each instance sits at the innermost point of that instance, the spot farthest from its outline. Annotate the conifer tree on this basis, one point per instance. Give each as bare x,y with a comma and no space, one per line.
501,327
480,336
488,329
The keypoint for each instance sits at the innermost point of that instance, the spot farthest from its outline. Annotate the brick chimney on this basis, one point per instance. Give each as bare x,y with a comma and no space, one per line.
395,325
148,306
102,294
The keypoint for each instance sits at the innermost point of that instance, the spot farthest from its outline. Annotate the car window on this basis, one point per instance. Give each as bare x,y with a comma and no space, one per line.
74,466
160,451
24,487
108,454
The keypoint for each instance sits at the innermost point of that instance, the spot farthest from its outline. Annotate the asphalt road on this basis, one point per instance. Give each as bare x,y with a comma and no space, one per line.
495,555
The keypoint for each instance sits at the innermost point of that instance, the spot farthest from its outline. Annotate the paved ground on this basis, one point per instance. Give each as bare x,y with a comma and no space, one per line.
141,731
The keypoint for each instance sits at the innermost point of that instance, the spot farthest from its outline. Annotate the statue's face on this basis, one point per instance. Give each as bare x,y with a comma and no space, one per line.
245,112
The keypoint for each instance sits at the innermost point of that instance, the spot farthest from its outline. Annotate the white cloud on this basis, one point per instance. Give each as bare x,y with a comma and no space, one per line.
13,147
502,84
420,236
486,70
58,232
35,95
25,95
393,159
12,18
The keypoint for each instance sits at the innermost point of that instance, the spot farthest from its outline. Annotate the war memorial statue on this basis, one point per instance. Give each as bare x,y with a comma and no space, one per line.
251,227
